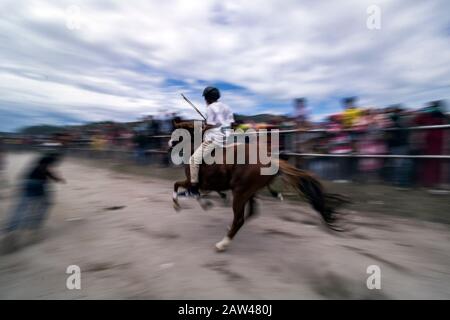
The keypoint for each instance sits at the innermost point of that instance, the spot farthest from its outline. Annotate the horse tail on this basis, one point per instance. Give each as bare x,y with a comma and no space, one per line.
304,182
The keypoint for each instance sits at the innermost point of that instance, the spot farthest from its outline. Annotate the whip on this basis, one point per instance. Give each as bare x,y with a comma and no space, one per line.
192,105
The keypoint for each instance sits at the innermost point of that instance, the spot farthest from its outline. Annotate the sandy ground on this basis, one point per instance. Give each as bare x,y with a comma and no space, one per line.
145,250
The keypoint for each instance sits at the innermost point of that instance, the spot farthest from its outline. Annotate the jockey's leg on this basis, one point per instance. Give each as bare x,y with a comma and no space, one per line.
194,166
194,163
197,158
208,158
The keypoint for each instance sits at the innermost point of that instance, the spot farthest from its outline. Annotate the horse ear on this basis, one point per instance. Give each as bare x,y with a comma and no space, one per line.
175,124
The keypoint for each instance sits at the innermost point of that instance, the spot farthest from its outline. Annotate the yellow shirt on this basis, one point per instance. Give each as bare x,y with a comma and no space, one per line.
349,116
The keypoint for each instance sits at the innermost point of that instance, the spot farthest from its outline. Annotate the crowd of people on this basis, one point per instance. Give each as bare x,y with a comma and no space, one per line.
370,133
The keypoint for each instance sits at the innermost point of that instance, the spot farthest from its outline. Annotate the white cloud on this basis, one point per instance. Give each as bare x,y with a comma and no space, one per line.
130,58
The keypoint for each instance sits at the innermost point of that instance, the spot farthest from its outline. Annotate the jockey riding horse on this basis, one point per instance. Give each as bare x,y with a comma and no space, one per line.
244,179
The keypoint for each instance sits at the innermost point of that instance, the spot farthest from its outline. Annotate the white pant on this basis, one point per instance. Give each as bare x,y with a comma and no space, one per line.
196,159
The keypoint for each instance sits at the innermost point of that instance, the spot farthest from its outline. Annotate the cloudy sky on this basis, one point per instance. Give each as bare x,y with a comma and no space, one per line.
67,62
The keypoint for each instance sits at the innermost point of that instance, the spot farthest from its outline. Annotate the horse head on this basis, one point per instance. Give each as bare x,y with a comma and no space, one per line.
188,125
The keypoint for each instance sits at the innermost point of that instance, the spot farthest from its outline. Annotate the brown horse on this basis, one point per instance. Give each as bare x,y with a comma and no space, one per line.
245,180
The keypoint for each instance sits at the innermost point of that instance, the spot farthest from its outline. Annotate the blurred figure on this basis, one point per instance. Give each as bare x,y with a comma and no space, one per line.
140,142
351,113
126,136
2,168
240,125
61,142
146,140
370,142
98,142
300,112
430,170
349,118
153,126
301,141
34,201
339,143
166,128
165,123
398,144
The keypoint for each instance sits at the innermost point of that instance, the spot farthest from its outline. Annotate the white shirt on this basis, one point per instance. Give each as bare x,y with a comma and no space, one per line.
218,113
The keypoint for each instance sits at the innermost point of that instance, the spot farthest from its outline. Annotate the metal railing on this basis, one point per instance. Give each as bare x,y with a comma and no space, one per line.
289,152
289,142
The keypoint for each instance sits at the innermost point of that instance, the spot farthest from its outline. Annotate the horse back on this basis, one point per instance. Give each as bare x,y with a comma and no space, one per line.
229,171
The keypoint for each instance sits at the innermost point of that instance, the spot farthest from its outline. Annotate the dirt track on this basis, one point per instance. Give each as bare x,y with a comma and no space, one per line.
143,249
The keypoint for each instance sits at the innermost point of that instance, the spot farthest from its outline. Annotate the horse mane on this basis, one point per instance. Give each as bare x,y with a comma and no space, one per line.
184,124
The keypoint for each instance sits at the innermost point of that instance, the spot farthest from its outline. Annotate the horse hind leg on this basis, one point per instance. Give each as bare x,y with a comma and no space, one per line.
275,194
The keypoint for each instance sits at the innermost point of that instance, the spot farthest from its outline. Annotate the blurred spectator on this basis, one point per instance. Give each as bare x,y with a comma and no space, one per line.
301,142
165,128
2,154
140,141
152,128
34,200
348,139
2,167
432,143
351,112
98,142
398,144
300,112
165,123
239,124
370,142
340,143
126,136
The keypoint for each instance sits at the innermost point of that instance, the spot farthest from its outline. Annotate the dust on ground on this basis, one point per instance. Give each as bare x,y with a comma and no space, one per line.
121,230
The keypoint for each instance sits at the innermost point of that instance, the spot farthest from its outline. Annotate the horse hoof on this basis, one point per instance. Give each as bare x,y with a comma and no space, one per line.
222,245
220,248
176,206
206,205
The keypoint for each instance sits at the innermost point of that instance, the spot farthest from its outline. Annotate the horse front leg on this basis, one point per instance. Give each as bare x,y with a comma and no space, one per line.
252,207
176,186
239,201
